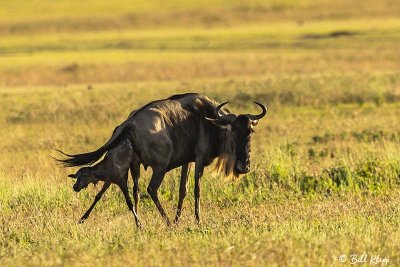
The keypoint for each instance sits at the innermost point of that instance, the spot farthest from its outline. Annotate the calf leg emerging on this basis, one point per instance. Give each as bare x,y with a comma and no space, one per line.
135,172
125,191
96,199
182,190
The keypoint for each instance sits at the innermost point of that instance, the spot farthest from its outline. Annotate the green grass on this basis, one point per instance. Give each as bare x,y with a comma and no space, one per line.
325,161
294,207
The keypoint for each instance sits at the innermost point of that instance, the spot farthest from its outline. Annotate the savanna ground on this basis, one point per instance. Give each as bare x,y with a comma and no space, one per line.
325,161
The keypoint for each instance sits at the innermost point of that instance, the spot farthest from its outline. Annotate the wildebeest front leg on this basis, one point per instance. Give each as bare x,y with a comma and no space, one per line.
199,167
125,191
182,190
96,199
156,179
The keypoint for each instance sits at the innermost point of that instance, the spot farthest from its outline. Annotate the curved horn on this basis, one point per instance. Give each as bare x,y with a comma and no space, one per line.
259,116
227,117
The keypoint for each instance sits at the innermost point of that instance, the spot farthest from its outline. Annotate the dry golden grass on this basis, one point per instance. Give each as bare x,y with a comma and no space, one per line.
325,161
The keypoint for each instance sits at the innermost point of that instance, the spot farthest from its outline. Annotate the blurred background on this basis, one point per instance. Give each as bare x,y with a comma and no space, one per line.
325,170
59,43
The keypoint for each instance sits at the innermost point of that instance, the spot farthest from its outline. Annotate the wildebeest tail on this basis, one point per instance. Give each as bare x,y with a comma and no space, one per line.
91,157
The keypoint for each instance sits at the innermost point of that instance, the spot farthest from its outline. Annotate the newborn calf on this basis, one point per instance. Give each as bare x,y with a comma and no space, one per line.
112,169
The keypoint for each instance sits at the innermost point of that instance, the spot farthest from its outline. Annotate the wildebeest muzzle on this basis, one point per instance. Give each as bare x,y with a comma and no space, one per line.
243,167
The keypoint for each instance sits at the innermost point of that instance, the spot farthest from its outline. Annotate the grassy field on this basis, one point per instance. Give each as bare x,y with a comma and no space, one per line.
325,161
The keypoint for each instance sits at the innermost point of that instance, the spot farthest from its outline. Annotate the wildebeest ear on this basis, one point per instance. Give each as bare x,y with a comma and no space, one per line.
220,123
73,176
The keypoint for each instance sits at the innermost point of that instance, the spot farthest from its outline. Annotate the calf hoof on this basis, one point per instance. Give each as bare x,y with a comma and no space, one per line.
177,219
138,224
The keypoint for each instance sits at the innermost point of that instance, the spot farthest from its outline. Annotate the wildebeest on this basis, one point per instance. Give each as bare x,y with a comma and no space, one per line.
176,131
112,169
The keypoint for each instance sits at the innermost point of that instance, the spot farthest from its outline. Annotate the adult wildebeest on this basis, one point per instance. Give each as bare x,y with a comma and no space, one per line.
176,131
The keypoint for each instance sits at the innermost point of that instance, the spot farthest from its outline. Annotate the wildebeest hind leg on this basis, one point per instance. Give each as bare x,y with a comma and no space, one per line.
182,190
96,199
156,179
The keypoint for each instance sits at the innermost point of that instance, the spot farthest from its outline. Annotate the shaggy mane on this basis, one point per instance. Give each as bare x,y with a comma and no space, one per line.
226,161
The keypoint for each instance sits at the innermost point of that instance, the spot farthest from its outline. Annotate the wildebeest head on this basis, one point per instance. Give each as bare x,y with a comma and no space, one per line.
236,144
84,176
